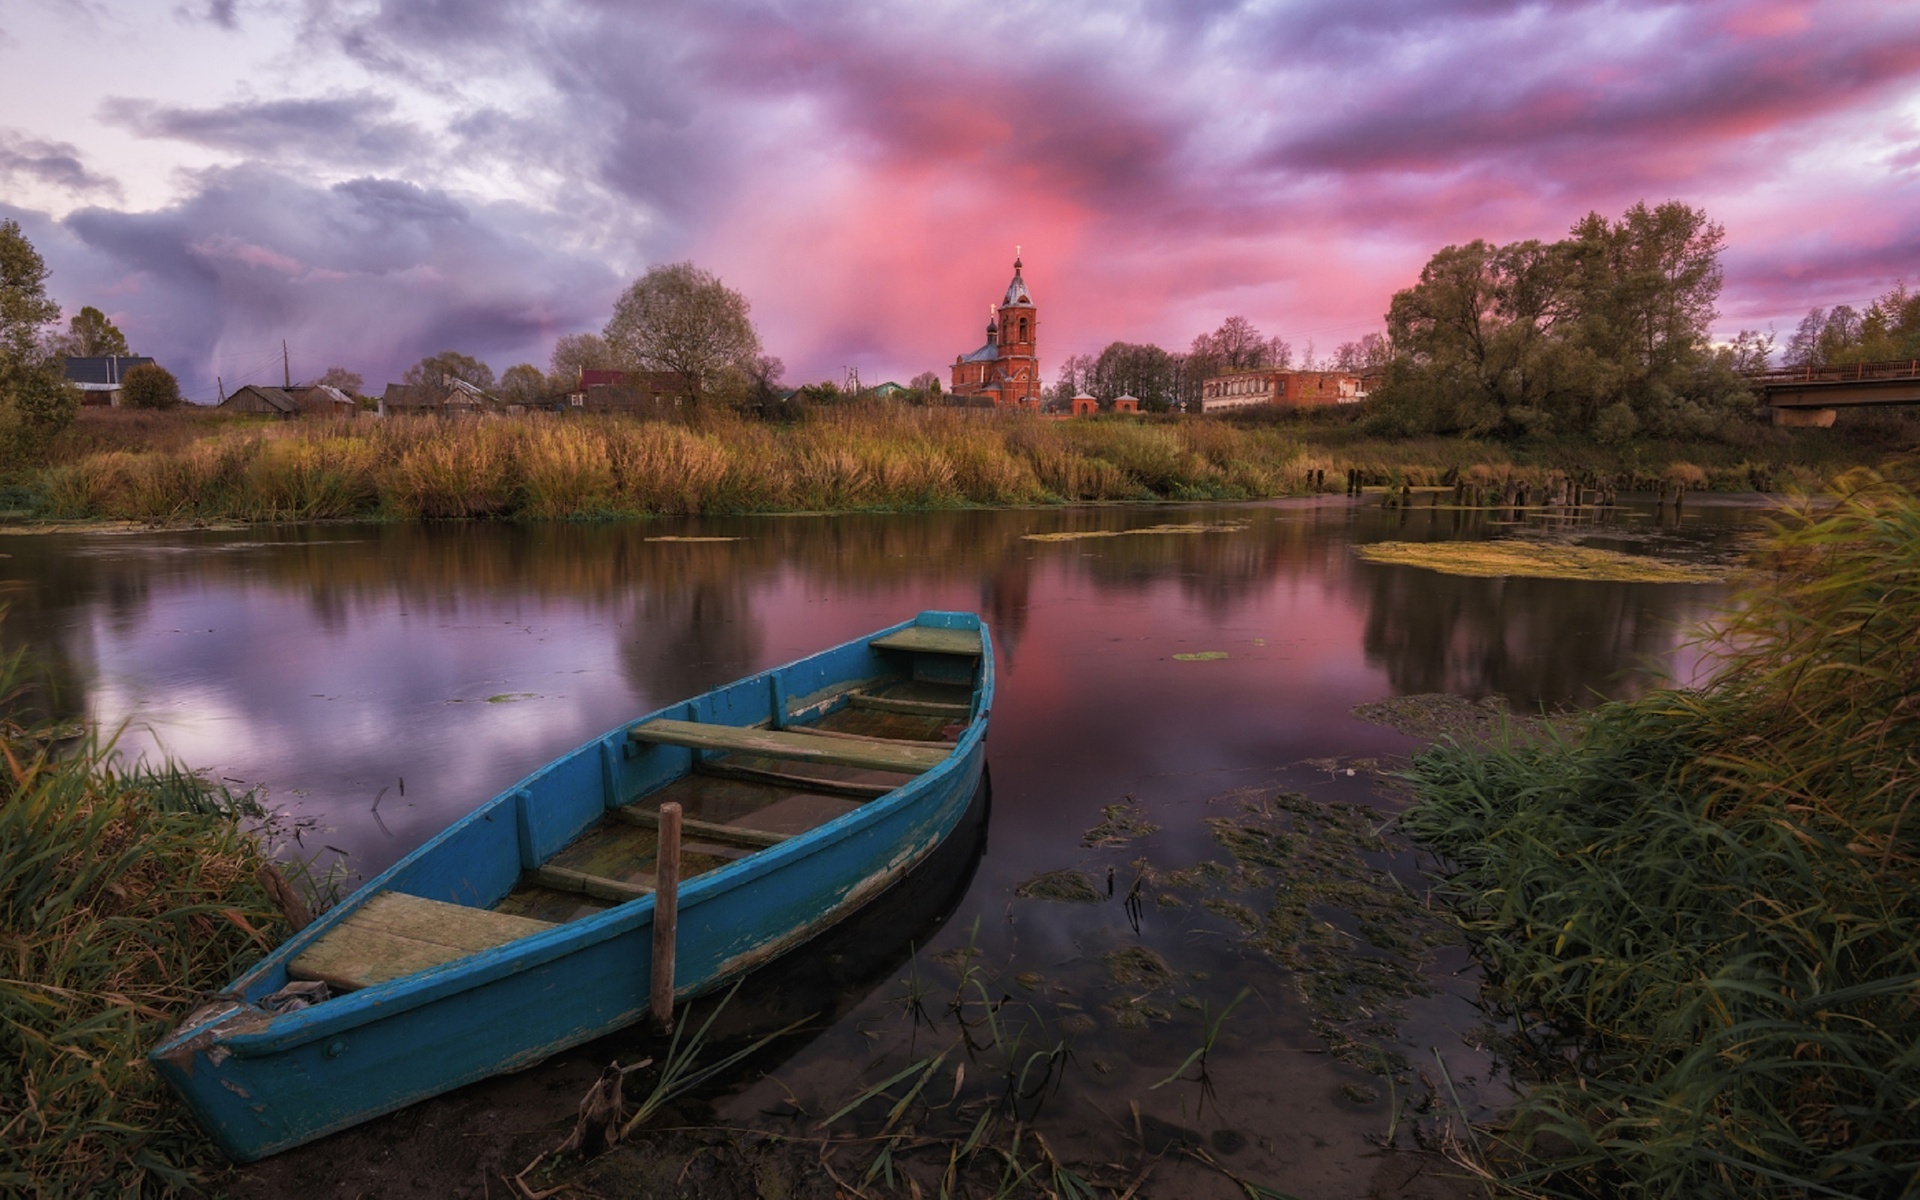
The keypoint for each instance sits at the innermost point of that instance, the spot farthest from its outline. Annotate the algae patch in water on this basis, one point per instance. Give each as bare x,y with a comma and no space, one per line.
1124,823
1535,560
1431,716
1201,656
1355,941
1075,535
1065,884
1137,967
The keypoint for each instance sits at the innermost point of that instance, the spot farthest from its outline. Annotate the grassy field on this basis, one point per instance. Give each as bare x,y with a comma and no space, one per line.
1699,914
200,465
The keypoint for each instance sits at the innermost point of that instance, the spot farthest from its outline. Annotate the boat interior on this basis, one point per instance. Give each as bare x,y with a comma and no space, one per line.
749,787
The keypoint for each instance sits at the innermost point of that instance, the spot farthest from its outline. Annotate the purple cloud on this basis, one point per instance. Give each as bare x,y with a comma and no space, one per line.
369,273
350,130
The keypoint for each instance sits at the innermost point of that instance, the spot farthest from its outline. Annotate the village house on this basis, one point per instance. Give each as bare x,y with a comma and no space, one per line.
98,378
316,400
1284,388
1006,370
449,398
624,391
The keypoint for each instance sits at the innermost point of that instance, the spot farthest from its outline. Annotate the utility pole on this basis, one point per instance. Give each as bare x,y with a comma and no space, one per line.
286,364
220,387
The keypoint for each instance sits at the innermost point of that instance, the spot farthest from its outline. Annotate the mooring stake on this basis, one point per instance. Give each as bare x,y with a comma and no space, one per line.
666,913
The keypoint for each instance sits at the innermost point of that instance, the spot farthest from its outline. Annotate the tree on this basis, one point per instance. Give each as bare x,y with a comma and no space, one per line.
523,383
90,334
35,401
764,374
435,369
577,352
1889,329
1372,352
1143,371
1076,376
1529,336
149,385
927,383
349,382
681,319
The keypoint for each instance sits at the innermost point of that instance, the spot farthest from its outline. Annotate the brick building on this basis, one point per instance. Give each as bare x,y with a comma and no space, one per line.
1288,389
1007,369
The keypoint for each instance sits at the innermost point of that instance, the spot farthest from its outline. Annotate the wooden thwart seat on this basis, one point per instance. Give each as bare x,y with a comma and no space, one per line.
395,934
925,640
799,747
647,818
917,708
805,783
600,887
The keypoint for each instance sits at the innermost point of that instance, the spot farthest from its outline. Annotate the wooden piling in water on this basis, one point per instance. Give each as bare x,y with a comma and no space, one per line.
666,914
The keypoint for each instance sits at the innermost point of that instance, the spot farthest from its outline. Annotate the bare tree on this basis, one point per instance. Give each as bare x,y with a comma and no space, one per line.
351,383
435,369
577,352
681,319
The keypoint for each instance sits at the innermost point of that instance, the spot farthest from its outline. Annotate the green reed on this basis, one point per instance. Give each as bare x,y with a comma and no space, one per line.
1701,909
126,894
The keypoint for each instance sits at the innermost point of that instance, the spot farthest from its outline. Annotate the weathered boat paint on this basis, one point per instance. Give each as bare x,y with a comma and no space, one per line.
261,1083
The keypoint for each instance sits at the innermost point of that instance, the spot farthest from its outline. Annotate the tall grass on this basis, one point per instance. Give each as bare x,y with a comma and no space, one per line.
543,466
125,896
1702,912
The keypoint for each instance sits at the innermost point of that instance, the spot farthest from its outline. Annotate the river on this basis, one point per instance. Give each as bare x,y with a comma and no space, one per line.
1187,662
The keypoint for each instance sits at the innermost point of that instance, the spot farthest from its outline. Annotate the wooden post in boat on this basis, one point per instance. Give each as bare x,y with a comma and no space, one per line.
666,913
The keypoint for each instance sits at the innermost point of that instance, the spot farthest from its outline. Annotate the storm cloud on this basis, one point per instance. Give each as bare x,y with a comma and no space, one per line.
415,176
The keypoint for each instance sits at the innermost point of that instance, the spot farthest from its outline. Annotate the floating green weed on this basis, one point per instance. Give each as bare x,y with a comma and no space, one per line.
1065,884
1121,823
1535,560
1201,656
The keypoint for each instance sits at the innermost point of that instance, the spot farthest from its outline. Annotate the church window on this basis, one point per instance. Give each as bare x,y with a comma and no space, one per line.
1023,329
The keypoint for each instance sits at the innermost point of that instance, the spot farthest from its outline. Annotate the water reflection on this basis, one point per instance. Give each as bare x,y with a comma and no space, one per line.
328,662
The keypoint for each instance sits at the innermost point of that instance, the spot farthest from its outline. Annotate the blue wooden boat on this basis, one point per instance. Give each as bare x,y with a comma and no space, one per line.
527,926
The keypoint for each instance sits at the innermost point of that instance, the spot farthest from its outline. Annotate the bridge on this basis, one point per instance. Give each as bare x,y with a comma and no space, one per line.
1810,396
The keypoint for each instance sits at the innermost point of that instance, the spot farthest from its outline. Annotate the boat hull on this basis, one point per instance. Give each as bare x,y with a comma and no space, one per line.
259,1084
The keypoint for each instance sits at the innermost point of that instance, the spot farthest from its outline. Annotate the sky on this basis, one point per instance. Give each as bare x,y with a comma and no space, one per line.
373,181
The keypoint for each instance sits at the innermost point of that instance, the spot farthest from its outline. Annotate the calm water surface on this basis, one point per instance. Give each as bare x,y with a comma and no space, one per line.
376,682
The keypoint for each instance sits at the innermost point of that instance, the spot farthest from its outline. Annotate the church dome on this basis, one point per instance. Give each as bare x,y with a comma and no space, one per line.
1017,290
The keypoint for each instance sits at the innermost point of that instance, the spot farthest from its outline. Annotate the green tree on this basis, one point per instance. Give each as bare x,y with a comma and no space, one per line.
1143,371
35,401
523,383
1889,329
682,319
435,369
1611,323
149,385
90,334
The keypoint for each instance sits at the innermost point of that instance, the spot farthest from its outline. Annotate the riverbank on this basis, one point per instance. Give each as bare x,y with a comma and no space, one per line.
1697,912
191,466
126,895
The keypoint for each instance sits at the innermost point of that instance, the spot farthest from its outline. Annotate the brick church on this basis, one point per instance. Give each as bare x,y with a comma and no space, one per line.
1006,370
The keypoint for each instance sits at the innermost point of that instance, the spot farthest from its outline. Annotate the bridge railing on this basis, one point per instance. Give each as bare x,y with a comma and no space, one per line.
1898,368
